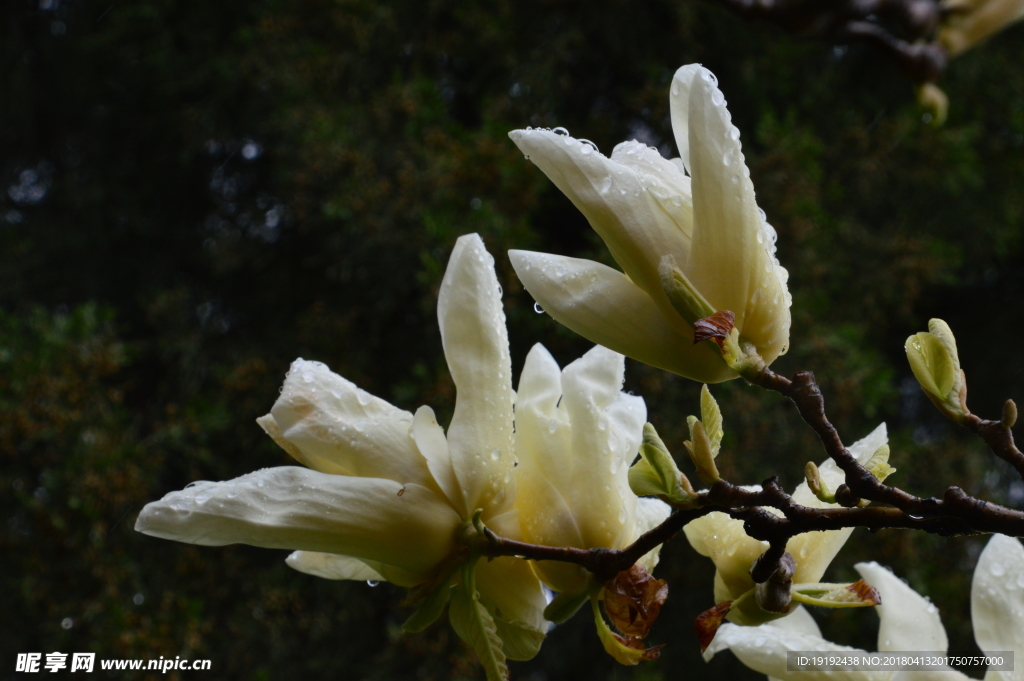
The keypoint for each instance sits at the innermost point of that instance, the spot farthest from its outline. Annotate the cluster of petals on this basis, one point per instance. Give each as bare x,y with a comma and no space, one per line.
694,218
383,493
723,539
908,622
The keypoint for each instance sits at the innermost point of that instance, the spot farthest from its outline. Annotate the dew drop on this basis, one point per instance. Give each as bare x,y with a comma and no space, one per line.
495,454
997,569
538,309
717,98
561,131
606,184
372,582
587,147
734,133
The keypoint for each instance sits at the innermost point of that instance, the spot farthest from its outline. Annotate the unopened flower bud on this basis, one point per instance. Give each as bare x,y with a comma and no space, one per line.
700,452
936,365
1009,414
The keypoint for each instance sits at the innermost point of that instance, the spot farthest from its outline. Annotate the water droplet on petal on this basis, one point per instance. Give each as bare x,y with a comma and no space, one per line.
538,309
561,131
372,582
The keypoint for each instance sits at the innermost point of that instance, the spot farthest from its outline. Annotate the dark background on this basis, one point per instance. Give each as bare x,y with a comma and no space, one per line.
194,194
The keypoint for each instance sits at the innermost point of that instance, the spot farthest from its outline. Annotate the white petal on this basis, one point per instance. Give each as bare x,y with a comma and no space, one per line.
543,445
726,262
909,621
334,427
679,104
662,179
814,551
649,514
997,600
723,540
800,621
430,440
476,347
764,649
632,222
333,566
607,427
297,508
605,307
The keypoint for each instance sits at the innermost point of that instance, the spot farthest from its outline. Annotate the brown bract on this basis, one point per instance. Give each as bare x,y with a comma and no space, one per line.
707,623
633,600
635,643
718,325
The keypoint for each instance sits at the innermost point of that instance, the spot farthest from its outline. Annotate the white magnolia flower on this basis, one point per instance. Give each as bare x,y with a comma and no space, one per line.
722,538
687,233
966,23
576,435
907,622
385,492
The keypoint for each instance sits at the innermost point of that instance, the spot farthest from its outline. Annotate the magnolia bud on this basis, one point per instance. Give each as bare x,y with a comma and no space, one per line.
936,365
1009,414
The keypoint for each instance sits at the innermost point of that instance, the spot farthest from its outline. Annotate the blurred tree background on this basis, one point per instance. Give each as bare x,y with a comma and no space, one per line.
194,194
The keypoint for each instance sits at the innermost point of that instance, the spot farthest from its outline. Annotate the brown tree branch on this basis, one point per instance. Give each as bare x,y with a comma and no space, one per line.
955,514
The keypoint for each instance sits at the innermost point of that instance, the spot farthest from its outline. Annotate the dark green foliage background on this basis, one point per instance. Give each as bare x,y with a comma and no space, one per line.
151,301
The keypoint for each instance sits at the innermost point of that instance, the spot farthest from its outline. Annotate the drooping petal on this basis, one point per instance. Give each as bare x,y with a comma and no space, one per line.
679,105
633,223
727,263
333,566
410,526
334,427
723,540
763,648
605,307
997,599
476,346
909,621
649,514
607,427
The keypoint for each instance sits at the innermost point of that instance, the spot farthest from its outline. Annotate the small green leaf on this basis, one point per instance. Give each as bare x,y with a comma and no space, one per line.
432,605
627,650
857,595
474,625
711,416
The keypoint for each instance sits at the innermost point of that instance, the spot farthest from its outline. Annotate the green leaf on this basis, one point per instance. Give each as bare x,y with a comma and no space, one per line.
711,416
520,641
432,605
474,625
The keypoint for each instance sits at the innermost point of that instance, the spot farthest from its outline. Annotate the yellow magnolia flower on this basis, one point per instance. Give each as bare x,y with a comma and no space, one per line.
966,23
576,435
687,233
385,493
722,538
907,622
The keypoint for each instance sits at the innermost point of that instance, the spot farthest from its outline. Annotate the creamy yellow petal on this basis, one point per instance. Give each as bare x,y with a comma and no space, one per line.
997,600
614,198
476,346
649,514
908,620
607,427
605,307
763,648
334,566
335,427
410,527
679,105
727,263
543,446
430,440
510,590
723,540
